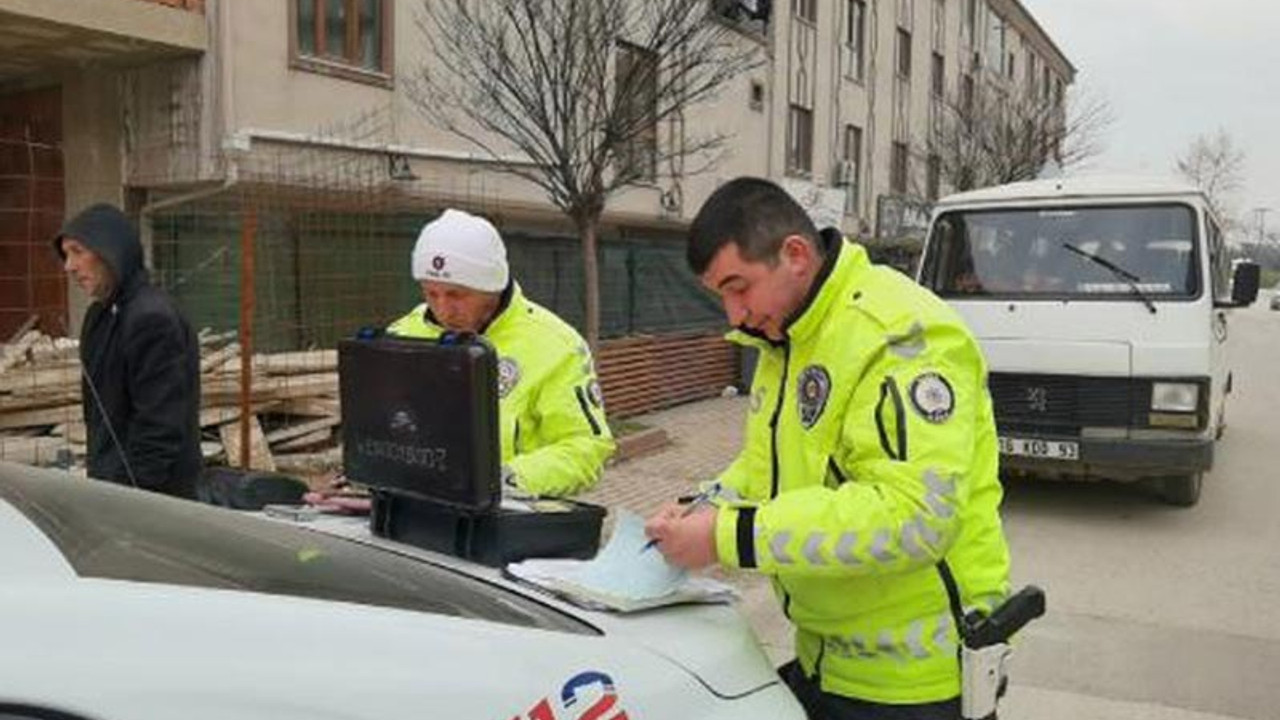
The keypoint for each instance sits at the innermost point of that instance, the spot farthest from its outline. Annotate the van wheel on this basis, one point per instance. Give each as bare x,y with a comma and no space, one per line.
1181,490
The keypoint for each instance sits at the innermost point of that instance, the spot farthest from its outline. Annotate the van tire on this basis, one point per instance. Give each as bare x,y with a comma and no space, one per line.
1181,490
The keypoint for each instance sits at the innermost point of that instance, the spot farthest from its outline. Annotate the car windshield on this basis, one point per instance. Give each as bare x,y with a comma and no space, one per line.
1079,252
122,534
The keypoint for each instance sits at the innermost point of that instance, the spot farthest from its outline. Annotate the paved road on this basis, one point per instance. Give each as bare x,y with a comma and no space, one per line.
1154,612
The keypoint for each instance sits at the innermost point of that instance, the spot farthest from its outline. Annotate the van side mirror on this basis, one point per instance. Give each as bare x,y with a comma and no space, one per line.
1244,284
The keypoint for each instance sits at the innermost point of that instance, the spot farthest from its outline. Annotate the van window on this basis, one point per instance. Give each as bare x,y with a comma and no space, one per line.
1218,264
1065,252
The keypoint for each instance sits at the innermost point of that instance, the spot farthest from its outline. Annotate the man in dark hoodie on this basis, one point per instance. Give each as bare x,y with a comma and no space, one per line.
141,382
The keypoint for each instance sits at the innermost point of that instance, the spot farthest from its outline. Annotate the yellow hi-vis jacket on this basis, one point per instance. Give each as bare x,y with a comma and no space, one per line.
551,414
870,455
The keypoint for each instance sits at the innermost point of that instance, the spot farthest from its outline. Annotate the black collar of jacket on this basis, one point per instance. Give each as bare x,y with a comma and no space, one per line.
504,301
832,244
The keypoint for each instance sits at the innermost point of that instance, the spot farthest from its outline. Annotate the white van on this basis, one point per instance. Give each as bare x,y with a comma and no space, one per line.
1102,306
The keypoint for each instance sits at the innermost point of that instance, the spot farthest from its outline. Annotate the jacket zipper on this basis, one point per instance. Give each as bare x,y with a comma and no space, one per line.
773,448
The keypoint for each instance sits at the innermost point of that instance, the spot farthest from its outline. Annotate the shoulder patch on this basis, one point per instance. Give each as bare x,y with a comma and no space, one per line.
813,387
932,397
508,376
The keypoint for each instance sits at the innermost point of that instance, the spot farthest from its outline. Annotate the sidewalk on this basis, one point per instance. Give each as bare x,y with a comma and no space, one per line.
705,437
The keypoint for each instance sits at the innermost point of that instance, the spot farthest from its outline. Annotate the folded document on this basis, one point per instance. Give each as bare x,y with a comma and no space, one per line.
623,577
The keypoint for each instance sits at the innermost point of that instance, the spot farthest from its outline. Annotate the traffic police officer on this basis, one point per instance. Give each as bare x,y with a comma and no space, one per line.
869,465
554,436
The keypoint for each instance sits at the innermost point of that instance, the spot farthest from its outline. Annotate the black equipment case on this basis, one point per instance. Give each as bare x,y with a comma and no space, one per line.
420,428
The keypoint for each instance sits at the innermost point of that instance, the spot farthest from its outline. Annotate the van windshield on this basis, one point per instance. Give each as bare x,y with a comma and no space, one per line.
1055,253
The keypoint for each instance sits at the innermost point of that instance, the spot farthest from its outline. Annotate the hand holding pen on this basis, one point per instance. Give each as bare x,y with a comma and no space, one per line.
686,536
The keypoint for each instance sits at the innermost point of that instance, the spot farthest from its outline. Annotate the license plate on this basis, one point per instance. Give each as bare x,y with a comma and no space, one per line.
1037,448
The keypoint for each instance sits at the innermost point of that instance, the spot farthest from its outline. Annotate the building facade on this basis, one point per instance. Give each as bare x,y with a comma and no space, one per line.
188,112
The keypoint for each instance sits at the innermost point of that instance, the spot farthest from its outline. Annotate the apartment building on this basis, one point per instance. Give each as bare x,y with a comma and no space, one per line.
858,86
292,118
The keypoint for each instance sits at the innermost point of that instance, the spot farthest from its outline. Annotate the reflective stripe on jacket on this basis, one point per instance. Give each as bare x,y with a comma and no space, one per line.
870,455
553,429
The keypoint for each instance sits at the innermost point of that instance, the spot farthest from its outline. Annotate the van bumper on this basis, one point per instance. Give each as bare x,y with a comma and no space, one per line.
1124,459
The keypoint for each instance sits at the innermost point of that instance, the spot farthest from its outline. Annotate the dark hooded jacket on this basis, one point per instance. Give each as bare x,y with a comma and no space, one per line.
142,368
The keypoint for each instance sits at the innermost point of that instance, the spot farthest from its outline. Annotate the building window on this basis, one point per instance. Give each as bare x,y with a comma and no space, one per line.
936,75
852,154
970,20
854,34
1059,92
898,169
805,10
345,38
1011,66
800,141
1032,70
933,179
966,97
757,96
636,86
904,54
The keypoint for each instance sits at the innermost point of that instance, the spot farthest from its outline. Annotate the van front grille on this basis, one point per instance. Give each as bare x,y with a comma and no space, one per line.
1062,404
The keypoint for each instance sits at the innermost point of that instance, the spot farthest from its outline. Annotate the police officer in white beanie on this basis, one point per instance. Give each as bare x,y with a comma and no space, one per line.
554,436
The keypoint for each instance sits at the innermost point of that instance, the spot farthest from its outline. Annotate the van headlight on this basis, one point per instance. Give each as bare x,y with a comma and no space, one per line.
1175,397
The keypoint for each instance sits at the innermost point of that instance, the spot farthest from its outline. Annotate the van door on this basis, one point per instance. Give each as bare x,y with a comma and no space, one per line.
1220,287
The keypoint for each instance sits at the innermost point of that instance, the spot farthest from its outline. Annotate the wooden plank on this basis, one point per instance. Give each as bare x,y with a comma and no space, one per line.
259,452
43,416
307,441
29,379
31,451
220,414
219,358
14,403
15,353
29,323
294,431
310,407
221,391
294,363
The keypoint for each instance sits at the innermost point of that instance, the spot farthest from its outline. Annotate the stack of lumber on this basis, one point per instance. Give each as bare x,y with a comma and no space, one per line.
643,373
294,413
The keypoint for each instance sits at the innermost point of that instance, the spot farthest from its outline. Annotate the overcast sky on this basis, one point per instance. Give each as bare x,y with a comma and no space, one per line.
1173,69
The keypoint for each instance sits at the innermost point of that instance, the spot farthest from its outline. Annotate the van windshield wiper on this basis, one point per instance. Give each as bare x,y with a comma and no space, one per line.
1116,270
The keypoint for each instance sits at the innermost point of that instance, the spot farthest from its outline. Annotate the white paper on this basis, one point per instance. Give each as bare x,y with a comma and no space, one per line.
624,575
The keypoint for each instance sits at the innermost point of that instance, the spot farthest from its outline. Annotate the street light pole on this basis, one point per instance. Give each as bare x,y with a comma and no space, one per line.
1261,212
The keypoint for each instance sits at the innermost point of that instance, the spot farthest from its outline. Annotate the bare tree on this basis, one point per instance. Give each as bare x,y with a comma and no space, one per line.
1215,165
989,135
579,89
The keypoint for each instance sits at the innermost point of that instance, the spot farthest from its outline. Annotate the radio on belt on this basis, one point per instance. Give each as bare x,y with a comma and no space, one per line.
420,429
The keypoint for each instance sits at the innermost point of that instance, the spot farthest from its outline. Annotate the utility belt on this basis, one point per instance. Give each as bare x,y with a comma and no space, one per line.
984,644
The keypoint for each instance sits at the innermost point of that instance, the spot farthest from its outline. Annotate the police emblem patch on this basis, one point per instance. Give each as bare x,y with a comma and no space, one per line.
812,389
508,376
594,395
757,399
932,397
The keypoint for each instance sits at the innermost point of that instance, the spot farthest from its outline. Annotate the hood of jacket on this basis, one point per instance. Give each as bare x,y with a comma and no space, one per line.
107,232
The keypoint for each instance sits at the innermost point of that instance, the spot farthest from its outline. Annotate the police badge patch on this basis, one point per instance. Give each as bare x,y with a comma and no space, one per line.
932,397
594,395
812,389
508,376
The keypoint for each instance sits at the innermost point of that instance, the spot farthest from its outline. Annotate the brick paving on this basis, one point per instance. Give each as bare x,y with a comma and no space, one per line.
705,437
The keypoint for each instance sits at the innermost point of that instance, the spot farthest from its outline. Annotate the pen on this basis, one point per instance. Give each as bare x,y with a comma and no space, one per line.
694,502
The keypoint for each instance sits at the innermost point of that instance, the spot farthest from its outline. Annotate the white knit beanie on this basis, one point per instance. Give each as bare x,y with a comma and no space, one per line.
462,249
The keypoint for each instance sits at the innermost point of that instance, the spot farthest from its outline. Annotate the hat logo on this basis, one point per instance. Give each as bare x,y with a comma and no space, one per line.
437,262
